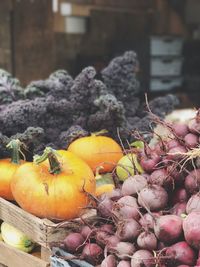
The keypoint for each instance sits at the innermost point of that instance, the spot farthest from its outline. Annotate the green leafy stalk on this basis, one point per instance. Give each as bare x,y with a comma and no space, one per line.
15,147
49,154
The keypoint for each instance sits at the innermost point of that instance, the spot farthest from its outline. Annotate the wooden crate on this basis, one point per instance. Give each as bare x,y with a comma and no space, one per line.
12,257
42,231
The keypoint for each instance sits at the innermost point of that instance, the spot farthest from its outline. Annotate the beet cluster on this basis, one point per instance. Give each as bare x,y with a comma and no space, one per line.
153,218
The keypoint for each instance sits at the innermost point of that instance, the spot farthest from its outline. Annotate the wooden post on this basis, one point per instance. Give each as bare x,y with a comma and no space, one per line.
5,35
162,17
33,39
45,254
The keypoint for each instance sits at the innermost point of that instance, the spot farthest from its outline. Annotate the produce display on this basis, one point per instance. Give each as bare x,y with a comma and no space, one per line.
152,217
146,194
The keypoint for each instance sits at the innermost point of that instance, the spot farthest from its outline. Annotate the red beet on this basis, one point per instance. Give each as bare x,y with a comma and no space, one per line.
181,253
192,181
193,203
178,209
191,226
105,206
92,253
124,264
198,262
108,228
109,261
180,129
161,245
124,250
191,140
153,197
176,153
86,231
127,208
115,194
142,258
168,228
73,241
149,162
101,237
128,230
147,221
194,126
133,185
161,177
179,195
112,241
197,160
172,143
147,240
178,176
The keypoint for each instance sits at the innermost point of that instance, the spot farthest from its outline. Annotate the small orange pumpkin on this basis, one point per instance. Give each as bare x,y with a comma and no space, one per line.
58,193
7,168
97,151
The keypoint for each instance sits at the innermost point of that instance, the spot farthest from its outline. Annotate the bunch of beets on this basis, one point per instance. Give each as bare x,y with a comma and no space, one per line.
153,218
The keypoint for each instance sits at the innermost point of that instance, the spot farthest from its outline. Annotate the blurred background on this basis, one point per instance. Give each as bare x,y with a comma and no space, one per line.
38,37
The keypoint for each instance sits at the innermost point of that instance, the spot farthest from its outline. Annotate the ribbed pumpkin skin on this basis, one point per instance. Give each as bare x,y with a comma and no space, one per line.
54,196
97,151
7,169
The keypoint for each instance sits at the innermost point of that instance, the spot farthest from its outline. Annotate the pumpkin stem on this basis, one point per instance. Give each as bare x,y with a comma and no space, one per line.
15,145
101,132
97,174
50,154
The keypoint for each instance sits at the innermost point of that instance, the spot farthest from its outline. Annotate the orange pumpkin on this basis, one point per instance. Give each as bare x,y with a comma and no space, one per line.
58,193
7,168
97,151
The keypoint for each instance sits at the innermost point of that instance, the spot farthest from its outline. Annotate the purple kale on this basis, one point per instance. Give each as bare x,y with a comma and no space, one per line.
59,109
120,76
10,89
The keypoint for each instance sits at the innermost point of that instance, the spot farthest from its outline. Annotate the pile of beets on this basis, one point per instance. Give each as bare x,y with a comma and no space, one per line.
153,218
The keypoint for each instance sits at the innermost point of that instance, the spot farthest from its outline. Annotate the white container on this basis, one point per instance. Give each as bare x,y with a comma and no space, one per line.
164,84
65,9
166,45
166,66
75,25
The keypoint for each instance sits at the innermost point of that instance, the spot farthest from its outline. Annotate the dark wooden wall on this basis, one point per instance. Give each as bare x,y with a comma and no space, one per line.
5,36
30,49
33,39
111,31
26,29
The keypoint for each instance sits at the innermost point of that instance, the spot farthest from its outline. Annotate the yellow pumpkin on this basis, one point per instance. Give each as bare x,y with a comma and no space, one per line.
97,151
7,168
58,193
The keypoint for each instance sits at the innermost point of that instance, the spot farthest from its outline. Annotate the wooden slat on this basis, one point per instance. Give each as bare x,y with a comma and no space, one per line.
114,3
12,257
41,231
45,254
